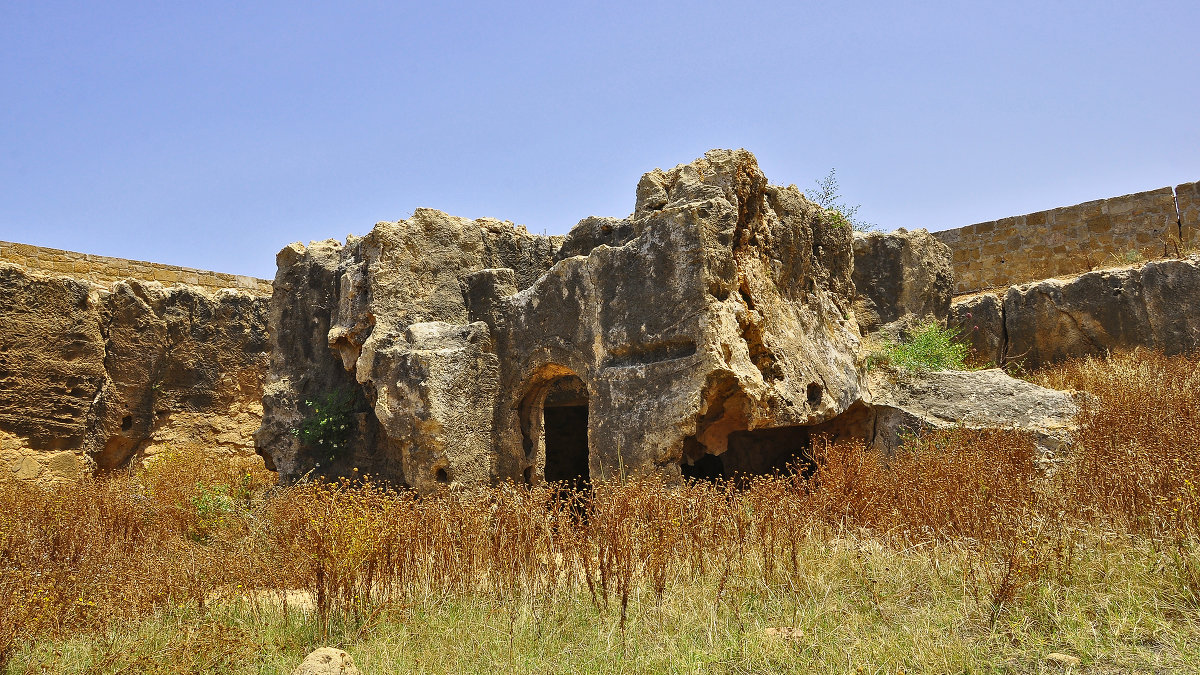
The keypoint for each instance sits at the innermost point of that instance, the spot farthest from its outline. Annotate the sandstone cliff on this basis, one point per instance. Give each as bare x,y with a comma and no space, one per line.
94,375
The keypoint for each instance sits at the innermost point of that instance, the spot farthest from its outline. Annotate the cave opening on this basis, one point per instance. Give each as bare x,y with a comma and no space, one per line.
751,453
777,450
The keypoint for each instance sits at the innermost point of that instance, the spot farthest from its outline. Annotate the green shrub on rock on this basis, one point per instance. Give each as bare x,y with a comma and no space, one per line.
929,347
330,422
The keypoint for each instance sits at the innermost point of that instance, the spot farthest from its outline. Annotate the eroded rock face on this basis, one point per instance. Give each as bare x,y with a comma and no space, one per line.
901,279
1150,305
979,320
1153,305
715,330
91,376
722,305
369,317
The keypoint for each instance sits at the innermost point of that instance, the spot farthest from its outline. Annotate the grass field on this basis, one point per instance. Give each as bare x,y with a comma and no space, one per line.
955,555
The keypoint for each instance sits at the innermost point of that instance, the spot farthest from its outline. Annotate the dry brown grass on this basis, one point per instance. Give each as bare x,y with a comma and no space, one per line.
1138,462
113,550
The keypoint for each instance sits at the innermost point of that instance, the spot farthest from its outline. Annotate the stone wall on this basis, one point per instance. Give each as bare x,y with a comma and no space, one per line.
1187,200
105,270
1074,239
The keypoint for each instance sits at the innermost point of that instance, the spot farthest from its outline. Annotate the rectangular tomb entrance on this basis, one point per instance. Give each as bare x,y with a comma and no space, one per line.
556,430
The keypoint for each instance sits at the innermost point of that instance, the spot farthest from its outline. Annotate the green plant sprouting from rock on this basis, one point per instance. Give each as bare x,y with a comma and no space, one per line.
928,347
826,194
330,422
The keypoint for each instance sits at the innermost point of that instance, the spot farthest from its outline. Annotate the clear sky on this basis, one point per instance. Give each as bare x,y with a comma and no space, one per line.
212,134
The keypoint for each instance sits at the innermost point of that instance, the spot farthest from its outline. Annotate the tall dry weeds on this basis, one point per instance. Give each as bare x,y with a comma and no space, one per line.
186,531
78,558
1136,462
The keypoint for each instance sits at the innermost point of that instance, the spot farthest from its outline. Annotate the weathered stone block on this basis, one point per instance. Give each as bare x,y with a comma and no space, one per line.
1098,224
979,321
1151,305
901,279
994,249
1187,197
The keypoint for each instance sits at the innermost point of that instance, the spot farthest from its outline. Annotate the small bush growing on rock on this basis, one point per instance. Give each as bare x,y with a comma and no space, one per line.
330,422
927,348
826,194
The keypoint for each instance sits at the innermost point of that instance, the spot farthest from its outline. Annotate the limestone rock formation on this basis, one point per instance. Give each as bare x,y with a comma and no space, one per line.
363,317
1149,305
327,661
723,305
979,320
978,399
92,375
715,330
901,279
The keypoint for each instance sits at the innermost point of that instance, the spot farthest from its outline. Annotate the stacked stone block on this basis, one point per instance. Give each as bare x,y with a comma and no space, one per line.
105,270
1074,239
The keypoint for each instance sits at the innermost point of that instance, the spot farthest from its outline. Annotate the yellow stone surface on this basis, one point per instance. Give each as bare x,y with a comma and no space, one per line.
65,465
28,468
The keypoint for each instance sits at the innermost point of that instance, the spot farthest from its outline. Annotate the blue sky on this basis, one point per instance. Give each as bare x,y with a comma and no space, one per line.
213,134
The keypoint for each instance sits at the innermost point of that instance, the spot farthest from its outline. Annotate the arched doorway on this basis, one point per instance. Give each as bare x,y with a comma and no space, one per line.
554,423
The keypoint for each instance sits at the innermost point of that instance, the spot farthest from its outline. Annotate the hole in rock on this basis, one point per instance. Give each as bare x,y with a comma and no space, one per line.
554,427
442,476
759,452
815,393
127,423
744,291
707,467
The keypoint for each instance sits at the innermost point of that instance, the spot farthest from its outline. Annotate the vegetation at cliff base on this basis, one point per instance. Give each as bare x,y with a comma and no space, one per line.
329,422
954,555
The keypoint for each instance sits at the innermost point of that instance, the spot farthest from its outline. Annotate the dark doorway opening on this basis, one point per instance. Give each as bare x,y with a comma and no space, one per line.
566,443
565,433
706,467
759,452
